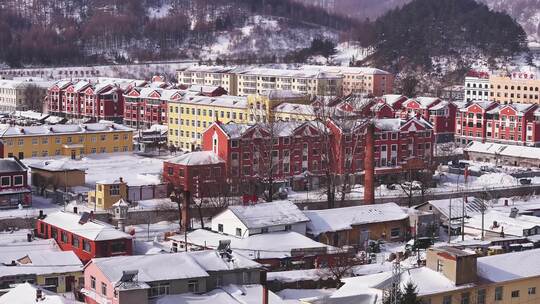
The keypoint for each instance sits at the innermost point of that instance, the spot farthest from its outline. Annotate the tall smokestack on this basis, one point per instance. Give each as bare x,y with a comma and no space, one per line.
264,285
369,165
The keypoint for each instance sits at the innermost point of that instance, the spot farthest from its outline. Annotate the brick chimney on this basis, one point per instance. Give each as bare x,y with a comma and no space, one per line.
369,165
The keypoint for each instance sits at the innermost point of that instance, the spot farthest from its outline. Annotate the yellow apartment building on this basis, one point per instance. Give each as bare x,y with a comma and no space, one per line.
262,106
67,140
107,193
454,276
515,88
190,116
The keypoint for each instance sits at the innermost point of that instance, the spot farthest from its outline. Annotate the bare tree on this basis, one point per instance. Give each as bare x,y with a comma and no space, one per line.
34,97
339,265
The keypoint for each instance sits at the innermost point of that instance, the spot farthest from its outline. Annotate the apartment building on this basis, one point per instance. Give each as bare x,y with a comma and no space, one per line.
516,87
13,96
89,99
476,86
204,75
191,115
262,106
68,140
14,186
147,106
311,82
360,80
512,123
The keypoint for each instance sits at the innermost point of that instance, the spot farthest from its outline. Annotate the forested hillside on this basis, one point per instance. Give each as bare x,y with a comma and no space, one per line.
83,31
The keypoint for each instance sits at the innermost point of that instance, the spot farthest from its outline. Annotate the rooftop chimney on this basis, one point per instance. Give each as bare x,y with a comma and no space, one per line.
369,165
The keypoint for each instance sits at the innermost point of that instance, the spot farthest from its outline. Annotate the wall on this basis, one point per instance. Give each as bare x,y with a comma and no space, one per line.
61,288
61,179
230,222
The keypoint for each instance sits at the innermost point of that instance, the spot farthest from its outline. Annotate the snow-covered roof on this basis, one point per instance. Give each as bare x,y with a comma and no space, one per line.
25,293
424,102
207,89
504,150
197,158
482,104
305,73
43,263
347,69
282,94
472,207
509,266
224,101
30,115
275,245
234,130
57,165
16,249
171,266
92,229
208,69
505,223
19,84
427,282
229,294
338,219
295,108
62,129
391,99
11,165
268,214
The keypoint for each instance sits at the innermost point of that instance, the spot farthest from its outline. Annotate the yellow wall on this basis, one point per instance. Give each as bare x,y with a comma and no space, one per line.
508,287
185,128
55,144
506,89
102,196
40,279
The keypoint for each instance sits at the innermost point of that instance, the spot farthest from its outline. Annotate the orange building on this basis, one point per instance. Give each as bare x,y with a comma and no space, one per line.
515,88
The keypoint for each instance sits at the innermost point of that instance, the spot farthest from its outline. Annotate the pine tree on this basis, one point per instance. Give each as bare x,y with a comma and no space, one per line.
410,295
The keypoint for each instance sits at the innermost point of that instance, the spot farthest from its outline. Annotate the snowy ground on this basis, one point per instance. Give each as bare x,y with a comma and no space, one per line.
38,203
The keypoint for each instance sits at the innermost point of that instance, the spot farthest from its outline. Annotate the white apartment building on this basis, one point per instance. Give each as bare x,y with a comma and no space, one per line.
222,76
12,93
310,82
477,87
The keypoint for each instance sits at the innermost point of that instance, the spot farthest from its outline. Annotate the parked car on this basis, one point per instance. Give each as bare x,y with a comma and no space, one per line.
525,181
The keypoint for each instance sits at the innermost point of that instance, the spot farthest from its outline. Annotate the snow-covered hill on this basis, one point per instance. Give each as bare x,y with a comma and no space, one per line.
525,12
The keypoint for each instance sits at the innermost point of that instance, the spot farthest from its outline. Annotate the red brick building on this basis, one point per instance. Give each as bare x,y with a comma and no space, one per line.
14,189
301,151
200,172
514,124
85,236
146,106
471,121
83,99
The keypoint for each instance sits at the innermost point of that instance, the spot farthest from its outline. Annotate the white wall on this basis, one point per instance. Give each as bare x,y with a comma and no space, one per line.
229,221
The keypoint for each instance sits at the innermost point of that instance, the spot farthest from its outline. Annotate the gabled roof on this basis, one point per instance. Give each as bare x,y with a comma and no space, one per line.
338,219
11,165
171,266
93,230
268,214
197,158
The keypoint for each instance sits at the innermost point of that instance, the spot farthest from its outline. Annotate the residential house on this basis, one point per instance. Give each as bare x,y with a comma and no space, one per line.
14,186
355,226
142,279
81,233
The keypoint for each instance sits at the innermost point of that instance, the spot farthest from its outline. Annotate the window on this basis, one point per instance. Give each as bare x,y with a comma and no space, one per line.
394,233
54,233
158,289
103,289
440,266
531,290
118,246
238,232
481,296
64,236
465,298
18,180
5,181
447,300
234,143
515,293
74,241
86,246
498,293
52,284
220,227
114,190
92,282
264,230
193,285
